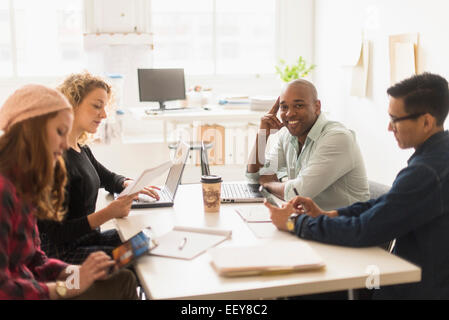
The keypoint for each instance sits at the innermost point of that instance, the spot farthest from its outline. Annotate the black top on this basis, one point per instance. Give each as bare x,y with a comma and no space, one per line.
85,176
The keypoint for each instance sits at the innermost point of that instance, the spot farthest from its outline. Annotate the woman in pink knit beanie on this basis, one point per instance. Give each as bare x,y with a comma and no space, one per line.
36,121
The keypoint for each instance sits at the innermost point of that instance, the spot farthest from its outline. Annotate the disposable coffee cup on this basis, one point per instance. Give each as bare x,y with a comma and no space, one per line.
211,192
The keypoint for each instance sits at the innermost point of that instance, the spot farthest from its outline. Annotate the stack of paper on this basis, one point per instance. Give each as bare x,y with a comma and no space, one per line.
276,256
262,103
234,102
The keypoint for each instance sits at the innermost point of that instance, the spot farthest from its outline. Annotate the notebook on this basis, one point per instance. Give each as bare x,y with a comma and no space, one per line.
188,242
168,191
266,258
232,192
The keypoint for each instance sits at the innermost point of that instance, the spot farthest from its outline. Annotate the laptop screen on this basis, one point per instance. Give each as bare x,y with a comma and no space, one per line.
175,173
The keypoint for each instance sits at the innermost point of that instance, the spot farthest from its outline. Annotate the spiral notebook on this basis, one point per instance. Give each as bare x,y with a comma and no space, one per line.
266,258
188,242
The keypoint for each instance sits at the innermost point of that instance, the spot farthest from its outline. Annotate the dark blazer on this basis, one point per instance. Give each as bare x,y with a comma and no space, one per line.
415,211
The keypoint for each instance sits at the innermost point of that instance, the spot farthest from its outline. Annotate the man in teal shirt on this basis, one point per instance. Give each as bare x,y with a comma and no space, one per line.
317,157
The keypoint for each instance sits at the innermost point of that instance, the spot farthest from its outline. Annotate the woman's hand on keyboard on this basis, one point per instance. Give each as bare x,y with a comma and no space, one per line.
149,190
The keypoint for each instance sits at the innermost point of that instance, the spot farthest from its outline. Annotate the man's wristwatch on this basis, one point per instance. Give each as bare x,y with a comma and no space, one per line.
61,289
291,222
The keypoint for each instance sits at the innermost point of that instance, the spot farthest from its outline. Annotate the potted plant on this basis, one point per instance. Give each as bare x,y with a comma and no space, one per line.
293,71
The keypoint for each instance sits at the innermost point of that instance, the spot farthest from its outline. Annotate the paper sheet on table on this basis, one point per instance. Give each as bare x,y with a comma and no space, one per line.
360,71
266,230
146,178
254,213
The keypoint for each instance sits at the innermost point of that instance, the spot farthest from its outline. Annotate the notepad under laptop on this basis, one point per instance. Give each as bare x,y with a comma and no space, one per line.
168,191
265,258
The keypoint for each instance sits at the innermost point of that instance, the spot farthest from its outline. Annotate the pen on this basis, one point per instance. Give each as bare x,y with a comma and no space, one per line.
183,243
296,191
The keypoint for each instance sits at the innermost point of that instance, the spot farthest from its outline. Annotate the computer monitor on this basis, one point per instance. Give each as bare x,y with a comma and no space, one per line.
161,85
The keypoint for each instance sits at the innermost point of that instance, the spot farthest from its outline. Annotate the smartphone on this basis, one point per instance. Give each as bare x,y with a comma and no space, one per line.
269,196
134,248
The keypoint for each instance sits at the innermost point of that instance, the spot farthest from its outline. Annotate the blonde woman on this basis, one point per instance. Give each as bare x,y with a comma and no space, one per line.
36,121
78,234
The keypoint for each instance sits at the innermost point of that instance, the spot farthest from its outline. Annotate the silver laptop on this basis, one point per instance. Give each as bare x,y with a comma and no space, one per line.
240,191
233,192
168,191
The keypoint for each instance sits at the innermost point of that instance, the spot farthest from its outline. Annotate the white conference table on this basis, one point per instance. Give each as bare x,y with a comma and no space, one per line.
170,278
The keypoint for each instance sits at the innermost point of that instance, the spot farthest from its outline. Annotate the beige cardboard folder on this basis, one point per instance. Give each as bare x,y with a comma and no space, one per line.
403,56
266,258
360,72
188,242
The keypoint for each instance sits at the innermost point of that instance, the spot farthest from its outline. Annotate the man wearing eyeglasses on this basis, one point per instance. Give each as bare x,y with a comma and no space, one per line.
415,211
309,154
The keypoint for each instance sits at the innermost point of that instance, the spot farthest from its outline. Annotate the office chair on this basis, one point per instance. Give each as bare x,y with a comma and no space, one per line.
375,191
202,147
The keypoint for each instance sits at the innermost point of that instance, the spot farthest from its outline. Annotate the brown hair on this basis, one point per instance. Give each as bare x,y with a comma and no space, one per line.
25,158
77,86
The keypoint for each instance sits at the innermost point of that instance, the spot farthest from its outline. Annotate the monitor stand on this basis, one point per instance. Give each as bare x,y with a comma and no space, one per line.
163,108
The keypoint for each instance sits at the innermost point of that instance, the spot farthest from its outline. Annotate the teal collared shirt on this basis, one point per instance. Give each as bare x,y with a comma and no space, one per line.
329,169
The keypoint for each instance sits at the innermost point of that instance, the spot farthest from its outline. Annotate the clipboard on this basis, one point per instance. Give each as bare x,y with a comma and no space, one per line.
188,242
266,258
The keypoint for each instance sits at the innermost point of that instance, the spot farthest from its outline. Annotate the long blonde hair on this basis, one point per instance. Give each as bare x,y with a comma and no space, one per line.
77,86
26,159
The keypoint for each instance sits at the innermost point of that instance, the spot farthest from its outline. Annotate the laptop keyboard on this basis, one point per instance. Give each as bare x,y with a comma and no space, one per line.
238,191
164,196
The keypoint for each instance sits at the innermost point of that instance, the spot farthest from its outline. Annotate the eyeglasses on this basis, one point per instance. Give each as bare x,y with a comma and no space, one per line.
394,120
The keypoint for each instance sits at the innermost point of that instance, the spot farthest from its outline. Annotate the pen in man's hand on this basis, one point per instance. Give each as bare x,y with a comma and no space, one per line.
296,191
183,243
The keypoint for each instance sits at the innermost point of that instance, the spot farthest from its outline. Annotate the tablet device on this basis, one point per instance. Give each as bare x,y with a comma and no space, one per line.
146,178
134,248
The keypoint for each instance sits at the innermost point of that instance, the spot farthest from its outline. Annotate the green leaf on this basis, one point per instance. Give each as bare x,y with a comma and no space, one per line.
294,71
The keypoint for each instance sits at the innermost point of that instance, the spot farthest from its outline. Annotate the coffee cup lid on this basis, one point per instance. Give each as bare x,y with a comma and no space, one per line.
211,179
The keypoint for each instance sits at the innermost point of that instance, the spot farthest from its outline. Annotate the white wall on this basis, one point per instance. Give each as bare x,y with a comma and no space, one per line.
339,23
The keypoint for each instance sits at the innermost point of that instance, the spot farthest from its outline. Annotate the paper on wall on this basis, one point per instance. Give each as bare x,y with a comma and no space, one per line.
403,58
359,80
404,54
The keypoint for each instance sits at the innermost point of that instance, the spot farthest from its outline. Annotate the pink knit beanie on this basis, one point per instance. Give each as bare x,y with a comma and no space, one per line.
30,101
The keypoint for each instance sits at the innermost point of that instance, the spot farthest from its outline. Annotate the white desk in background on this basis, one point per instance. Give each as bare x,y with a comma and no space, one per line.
168,278
215,115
